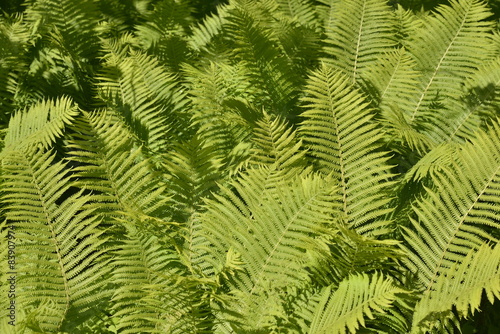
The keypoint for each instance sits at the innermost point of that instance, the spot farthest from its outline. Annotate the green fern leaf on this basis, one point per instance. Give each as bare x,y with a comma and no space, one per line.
40,125
458,213
273,227
340,133
358,297
109,165
140,89
460,287
358,32
276,145
60,253
446,53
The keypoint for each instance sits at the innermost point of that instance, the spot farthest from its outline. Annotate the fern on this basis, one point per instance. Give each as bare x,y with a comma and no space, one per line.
276,145
468,210
338,130
461,286
357,298
146,96
40,125
268,70
454,36
110,166
273,241
270,166
164,32
59,246
358,32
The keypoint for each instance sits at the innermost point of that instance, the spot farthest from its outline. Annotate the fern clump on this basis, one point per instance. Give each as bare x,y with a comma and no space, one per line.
270,166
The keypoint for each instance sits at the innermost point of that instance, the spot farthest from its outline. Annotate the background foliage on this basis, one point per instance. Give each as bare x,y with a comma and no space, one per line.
272,166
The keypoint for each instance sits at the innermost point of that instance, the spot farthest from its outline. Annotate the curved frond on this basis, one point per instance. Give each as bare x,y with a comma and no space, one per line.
460,287
357,298
302,11
40,125
458,212
203,34
164,32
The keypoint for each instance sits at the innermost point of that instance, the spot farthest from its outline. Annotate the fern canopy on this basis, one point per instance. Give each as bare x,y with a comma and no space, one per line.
249,166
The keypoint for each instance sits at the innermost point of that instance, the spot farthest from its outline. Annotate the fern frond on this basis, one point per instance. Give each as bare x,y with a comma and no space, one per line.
75,21
481,102
146,95
273,227
268,70
150,296
276,144
351,253
301,11
113,167
40,125
394,77
459,211
339,131
460,287
445,49
204,33
14,38
194,168
60,253
392,80
221,103
357,298
358,32
164,31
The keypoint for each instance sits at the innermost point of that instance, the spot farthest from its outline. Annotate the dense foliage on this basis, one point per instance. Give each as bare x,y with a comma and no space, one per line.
273,166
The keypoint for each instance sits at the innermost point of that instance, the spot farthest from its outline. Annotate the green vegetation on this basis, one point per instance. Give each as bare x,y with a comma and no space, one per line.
273,166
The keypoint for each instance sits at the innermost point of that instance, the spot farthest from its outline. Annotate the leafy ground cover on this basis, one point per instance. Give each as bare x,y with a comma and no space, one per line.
272,166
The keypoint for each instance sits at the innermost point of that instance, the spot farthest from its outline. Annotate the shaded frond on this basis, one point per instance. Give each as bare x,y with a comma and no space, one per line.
109,164
481,102
222,114
302,11
147,96
193,169
268,70
151,295
276,145
164,31
75,21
